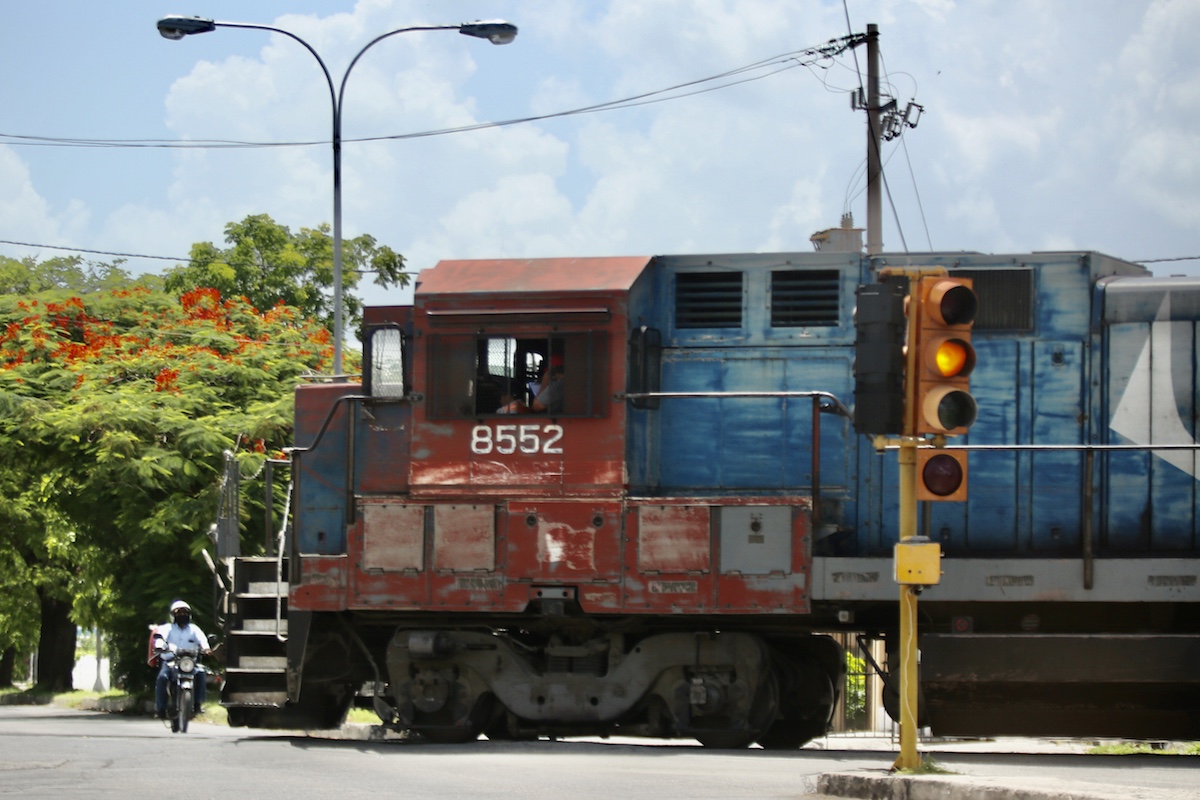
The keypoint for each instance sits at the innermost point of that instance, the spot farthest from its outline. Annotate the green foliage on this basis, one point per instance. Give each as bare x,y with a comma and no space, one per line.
856,692
66,273
269,265
928,767
116,409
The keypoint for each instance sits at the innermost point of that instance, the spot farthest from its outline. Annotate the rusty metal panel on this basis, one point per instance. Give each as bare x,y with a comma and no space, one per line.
506,276
393,537
323,586
563,541
382,448
464,537
526,471
674,539
775,570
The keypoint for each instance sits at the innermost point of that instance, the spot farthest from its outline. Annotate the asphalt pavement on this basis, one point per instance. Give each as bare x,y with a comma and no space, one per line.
992,769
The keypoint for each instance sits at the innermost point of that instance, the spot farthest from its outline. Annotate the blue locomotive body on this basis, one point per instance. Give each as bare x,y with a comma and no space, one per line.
1059,341
666,552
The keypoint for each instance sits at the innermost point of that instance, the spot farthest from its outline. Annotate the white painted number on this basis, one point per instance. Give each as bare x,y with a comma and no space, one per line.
555,433
508,439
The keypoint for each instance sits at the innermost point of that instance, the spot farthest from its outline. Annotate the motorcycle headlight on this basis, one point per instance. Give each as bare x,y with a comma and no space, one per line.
187,664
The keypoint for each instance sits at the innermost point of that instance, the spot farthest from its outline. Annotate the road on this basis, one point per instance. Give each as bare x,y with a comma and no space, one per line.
54,752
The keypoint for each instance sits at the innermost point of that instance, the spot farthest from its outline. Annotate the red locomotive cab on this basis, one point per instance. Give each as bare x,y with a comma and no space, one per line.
518,366
515,465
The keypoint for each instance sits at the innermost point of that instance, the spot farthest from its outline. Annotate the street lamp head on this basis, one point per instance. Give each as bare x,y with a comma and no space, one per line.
176,27
496,31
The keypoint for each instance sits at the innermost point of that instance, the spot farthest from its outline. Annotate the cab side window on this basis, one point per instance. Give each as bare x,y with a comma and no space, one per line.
557,374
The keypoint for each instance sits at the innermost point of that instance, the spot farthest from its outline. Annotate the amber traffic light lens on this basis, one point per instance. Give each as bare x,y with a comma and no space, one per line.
942,475
953,358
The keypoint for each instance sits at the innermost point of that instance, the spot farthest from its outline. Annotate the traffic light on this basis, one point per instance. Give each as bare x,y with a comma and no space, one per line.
941,474
879,323
942,313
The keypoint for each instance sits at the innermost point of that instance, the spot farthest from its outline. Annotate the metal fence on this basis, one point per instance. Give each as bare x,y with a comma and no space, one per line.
859,711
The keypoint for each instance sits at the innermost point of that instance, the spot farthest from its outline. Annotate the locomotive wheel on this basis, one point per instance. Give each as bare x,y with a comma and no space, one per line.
439,727
798,723
758,721
506,728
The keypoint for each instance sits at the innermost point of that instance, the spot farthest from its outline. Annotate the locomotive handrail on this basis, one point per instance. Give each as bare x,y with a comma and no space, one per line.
325,425
1052,447
294,570
835,405
823,402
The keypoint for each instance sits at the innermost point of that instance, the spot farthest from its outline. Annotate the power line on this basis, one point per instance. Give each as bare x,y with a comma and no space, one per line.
1161,260
160,258
93,252
917,192
773,65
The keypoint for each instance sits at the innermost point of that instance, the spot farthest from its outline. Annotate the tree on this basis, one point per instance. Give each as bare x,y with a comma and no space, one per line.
267,264
29,276
115,411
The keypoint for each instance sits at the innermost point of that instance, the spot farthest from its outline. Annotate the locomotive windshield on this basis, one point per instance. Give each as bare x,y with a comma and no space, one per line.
386,364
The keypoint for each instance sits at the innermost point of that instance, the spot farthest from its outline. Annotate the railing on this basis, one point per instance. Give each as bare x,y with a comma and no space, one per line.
822,403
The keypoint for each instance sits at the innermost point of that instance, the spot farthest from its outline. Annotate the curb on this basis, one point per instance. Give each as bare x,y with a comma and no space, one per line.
940,787
111,705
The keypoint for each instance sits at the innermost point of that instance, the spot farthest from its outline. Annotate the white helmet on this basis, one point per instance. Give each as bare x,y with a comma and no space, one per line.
179,604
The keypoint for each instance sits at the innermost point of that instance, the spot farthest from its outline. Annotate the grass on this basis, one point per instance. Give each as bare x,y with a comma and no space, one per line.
362,715
1147,748
212,711
928,767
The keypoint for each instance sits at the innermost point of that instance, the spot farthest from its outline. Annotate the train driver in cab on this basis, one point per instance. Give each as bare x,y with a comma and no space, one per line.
548,397
547,393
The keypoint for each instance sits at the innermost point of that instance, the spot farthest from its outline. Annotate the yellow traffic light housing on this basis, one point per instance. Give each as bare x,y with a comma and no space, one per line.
942,311
917,562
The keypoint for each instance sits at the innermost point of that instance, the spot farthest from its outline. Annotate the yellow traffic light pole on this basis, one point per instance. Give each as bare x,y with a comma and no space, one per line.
909,757
917,563
939,359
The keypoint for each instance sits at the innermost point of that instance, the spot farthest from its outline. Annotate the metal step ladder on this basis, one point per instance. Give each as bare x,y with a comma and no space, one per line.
256,631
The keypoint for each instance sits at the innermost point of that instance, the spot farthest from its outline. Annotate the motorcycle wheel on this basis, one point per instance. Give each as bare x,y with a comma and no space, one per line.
185,709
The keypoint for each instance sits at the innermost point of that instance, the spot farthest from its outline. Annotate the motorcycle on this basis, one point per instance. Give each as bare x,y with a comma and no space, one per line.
184,670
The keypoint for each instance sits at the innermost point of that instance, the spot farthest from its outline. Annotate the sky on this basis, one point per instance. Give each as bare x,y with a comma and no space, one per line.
1064,125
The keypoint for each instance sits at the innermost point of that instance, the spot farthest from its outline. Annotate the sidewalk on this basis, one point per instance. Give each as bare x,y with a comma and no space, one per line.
879,784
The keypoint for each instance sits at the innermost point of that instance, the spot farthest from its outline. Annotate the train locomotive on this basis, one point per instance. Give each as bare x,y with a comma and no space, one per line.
669,547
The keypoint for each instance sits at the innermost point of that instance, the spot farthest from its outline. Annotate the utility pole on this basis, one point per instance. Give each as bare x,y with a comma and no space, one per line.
874,162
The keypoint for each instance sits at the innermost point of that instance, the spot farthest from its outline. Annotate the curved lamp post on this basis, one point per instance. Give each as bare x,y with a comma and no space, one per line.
495,31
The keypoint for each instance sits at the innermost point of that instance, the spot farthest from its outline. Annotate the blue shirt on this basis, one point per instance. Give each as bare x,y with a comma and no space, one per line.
190,637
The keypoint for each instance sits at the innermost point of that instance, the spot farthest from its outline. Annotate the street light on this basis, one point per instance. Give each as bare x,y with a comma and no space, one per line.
495,31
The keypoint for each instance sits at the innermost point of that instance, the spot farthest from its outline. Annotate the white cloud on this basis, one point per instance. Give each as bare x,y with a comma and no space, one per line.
805,213
28,217
21,207
1160,166
1045,124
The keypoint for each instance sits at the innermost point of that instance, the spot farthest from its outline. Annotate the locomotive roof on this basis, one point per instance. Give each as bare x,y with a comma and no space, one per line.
512,275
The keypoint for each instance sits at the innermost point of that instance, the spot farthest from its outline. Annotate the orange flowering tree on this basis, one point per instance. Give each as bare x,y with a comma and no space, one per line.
116,410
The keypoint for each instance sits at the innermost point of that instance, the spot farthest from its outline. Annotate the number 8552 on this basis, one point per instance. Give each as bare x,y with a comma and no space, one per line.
508,439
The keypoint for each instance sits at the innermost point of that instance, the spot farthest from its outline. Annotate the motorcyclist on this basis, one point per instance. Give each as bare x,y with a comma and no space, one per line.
179,634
